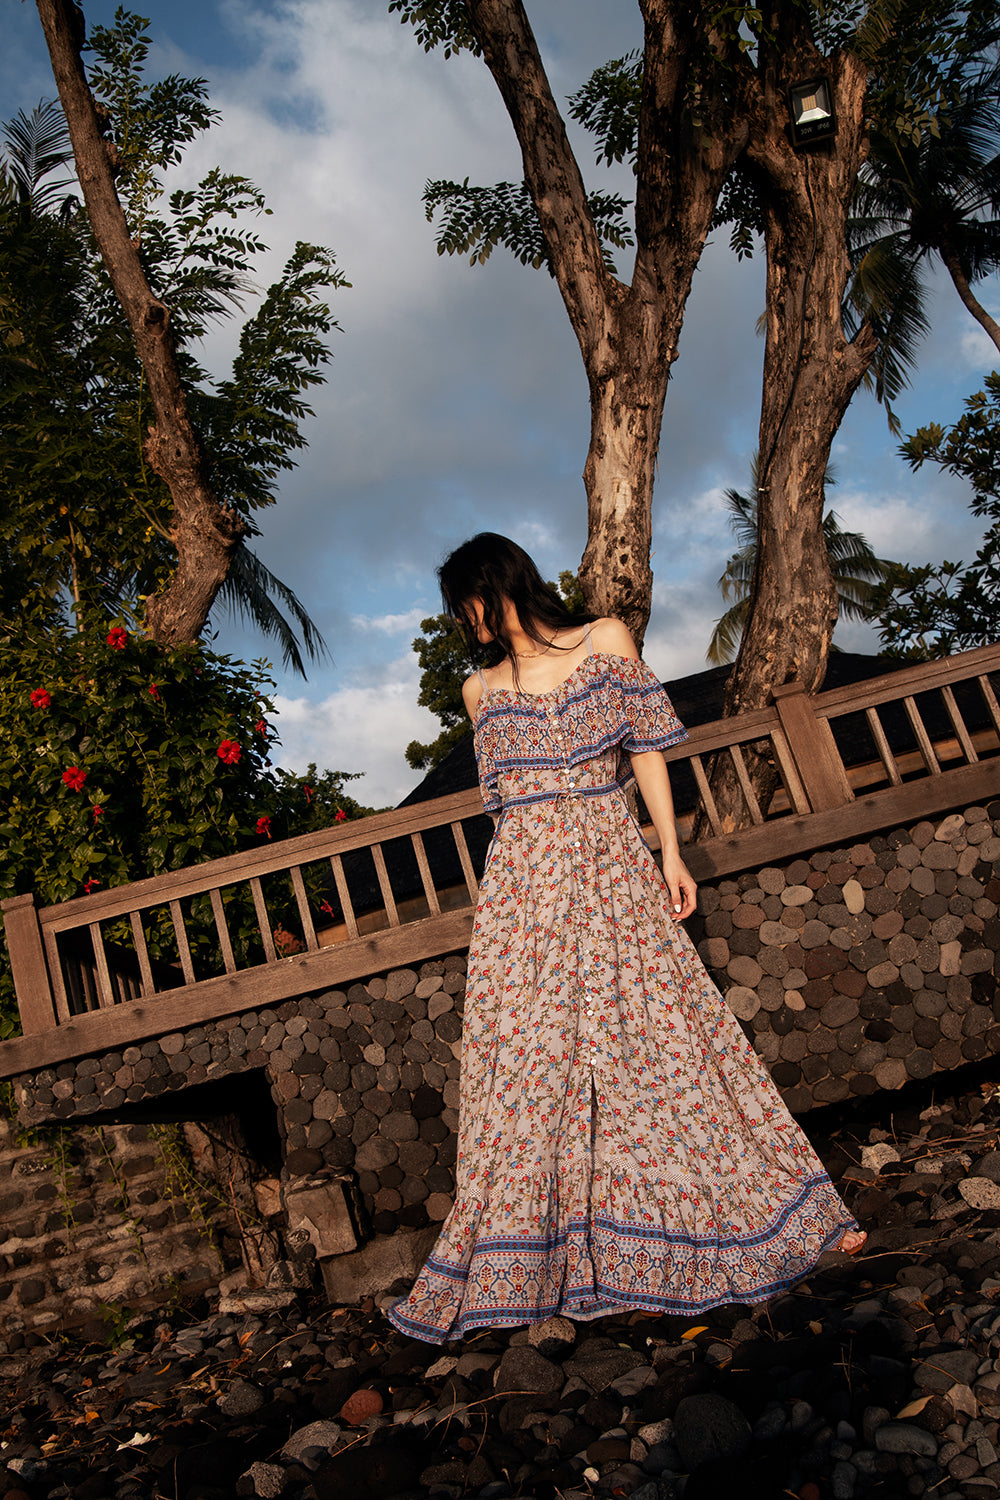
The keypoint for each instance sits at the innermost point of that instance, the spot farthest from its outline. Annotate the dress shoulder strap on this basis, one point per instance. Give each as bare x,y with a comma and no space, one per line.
588,638
482,677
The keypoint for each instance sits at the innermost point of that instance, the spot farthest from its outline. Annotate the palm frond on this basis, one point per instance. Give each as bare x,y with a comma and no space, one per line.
726,636
250,590
857,572
38,145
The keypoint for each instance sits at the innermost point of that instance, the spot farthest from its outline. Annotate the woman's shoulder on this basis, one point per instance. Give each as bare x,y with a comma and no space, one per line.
612,637
472,691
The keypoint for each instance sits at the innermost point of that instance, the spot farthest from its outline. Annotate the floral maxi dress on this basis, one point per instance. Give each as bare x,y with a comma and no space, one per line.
621,1145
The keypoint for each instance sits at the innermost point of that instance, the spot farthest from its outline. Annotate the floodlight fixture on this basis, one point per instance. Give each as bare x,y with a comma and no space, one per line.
813,118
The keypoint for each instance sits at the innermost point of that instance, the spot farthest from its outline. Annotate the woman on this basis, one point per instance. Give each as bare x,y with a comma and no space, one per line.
621,1146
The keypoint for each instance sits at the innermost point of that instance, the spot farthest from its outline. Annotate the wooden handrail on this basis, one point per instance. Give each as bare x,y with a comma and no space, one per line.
133,993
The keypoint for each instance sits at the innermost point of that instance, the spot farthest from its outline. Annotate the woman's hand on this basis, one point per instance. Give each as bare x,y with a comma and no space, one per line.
681,886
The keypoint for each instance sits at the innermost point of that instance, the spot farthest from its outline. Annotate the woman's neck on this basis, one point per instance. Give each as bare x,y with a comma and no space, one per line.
521,642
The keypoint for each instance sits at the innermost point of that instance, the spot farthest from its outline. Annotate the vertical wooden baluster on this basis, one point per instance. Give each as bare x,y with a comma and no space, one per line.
923,738
346,904
739,764
790,777
958,724
993,708
105,993
183,947
433,904
383,884
222,928
705,792
305,915
263,920
142,953
883,747
472,885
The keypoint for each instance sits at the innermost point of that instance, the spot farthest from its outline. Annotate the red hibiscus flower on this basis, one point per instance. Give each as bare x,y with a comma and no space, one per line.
325,906
117,638
229,752
260,727
96,812
339,815
264,826
90,885
154,691
40,698
308,791
74,778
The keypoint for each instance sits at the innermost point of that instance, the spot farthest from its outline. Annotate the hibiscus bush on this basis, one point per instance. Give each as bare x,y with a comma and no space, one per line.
120,760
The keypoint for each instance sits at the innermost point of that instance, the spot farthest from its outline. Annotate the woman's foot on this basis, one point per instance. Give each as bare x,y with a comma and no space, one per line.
852,1242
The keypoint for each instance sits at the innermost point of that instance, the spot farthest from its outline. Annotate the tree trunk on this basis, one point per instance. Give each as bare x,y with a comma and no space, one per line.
204,532
625,413
628,335
810,374
961,282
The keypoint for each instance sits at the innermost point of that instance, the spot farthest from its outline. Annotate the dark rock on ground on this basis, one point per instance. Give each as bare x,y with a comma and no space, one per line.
877,1377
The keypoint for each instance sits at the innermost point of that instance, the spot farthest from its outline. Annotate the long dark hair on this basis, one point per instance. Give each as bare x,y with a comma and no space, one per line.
494,569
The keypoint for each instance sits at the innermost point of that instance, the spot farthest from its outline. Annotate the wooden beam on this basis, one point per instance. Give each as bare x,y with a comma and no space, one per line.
229,994
27,960
812,745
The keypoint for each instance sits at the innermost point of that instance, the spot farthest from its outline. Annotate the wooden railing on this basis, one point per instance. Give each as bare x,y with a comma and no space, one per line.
327,908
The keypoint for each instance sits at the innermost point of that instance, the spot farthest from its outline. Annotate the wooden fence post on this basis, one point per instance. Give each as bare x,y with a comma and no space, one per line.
27,962
814,750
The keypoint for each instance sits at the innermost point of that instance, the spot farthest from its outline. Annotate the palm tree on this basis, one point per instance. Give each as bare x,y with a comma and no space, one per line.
31,203
857,572
934,194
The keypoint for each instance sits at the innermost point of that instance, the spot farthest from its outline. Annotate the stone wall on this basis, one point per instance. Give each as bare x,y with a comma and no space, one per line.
364,1084
852,971
96,1223
863,967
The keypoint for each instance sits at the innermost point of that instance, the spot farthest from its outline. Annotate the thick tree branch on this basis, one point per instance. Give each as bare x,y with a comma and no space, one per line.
204,531
961,282
503,31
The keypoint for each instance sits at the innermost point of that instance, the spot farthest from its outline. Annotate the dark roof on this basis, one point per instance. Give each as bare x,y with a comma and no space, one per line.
696,698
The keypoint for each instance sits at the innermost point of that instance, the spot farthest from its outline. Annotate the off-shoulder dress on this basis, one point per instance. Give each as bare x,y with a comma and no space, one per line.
621,1145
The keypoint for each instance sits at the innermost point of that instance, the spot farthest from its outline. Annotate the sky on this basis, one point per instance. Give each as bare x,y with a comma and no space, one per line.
456,400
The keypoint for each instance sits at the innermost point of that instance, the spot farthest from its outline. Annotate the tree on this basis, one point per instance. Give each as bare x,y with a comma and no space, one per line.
627,333
935,192
702,115
445,662
857,572
90,520
134,132
935,609
121,759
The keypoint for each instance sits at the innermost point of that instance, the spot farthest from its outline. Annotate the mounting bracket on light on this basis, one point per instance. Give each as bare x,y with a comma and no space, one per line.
811,113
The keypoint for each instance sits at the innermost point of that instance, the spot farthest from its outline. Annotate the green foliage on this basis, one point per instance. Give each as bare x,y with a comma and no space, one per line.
928,190
438,23
38,145
608,106
445,662
83,520
474,220
858,574
120,760
936,609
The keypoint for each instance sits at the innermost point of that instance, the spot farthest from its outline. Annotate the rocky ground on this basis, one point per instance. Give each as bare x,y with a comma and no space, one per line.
878,1376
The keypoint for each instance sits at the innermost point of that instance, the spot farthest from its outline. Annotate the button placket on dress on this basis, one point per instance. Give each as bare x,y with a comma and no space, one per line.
573,812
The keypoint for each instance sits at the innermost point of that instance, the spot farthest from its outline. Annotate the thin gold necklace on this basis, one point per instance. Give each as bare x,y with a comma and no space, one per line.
545,649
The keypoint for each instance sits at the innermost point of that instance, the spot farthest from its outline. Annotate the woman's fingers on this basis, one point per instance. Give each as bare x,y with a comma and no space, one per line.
681,889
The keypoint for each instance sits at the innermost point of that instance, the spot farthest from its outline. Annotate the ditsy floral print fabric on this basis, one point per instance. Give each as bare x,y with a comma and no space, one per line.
621,1145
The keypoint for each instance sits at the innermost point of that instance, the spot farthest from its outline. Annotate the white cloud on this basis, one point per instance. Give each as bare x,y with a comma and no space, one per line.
359,728
391,624
977,349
